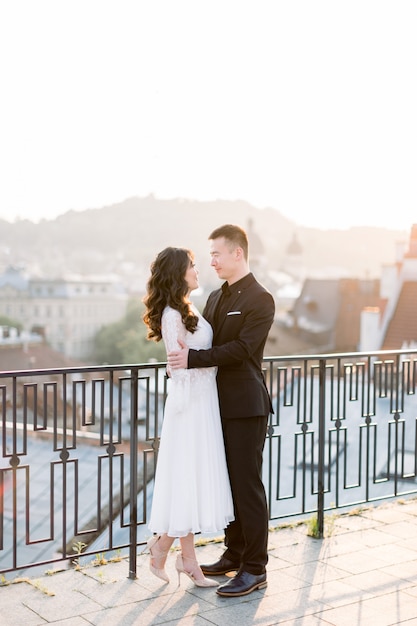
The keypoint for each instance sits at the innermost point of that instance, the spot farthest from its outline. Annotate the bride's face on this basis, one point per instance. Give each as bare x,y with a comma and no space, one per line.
191,276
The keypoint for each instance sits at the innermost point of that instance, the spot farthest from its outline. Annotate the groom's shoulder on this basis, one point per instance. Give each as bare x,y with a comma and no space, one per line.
212,295
259,287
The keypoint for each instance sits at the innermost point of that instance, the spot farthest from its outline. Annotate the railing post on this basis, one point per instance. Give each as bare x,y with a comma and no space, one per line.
133,520
321,445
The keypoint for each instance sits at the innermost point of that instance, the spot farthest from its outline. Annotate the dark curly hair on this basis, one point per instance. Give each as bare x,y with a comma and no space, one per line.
167,287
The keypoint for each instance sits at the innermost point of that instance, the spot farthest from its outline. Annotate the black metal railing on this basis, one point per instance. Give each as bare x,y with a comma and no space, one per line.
79,448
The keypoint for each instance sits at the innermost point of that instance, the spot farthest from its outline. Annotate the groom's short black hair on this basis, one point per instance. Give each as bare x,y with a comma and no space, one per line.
235,234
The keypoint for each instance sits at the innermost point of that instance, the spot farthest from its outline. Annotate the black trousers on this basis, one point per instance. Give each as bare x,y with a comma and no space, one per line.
246,538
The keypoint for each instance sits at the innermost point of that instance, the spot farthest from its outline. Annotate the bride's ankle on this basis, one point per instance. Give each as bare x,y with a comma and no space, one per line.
158,551
192,566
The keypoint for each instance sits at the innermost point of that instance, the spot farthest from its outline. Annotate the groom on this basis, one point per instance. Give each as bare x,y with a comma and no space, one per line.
241,313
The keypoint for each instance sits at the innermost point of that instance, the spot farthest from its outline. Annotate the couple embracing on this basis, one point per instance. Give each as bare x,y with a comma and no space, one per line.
209,470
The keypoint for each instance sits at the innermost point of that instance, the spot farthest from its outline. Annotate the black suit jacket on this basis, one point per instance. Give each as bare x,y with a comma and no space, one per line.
238,344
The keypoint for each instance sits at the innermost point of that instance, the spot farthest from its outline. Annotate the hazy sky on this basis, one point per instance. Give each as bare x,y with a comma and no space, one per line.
305,106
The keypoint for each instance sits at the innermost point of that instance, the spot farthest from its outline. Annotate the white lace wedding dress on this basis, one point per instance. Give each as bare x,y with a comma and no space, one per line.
192,490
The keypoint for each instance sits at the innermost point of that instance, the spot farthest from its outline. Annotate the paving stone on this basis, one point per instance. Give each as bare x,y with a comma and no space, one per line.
364,575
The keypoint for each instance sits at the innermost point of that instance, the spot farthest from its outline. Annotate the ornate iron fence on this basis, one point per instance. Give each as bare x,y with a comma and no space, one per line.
79,448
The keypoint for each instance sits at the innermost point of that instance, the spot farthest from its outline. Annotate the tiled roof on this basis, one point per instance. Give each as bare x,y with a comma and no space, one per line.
38,356
355,294
318,304
403,325
284,342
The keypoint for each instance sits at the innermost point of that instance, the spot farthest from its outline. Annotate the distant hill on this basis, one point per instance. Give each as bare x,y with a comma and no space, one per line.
130,233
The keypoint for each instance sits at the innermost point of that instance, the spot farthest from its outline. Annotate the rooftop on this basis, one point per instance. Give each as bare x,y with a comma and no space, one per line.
363,572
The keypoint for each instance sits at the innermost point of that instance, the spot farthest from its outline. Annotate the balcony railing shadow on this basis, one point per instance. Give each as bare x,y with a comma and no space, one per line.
79,448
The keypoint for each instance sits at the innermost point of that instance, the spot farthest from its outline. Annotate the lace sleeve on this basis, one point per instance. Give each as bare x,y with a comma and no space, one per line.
173,330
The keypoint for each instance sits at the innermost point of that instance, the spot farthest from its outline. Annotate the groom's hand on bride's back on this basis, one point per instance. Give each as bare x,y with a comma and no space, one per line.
178,359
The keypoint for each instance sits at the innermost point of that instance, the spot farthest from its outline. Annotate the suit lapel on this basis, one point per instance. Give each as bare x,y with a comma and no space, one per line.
211,308
233,302
231,305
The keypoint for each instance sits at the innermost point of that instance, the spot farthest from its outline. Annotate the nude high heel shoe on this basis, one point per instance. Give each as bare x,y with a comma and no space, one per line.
157,554
199,582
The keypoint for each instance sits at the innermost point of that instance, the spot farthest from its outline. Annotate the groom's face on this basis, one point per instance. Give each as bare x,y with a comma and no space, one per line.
224,258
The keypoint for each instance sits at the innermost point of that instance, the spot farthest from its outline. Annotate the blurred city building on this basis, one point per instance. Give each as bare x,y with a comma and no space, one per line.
67,312
355,314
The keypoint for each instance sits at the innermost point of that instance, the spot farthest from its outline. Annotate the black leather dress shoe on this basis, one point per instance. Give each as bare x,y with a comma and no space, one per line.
222,566
242,584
